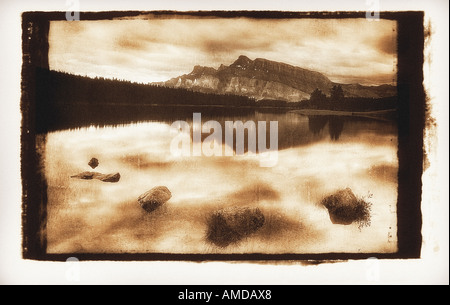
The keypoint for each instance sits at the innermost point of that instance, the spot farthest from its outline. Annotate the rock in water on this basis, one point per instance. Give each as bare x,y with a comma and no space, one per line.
230,225
109,177
345,208
93,175
85,175
154,198
93,163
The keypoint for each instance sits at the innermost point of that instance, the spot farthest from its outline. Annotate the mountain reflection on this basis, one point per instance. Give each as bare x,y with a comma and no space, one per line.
293,129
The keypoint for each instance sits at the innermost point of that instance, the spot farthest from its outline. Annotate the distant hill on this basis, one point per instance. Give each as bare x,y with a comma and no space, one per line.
263,79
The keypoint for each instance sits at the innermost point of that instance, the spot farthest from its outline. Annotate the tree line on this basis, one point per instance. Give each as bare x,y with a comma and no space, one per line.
59,87
337,101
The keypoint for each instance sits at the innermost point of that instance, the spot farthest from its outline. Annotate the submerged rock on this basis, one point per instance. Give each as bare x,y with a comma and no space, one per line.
345,208
93,163
94,175
154,198
109,177
230,225
85,175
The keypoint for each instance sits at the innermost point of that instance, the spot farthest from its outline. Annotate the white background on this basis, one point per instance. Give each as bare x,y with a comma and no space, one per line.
432,268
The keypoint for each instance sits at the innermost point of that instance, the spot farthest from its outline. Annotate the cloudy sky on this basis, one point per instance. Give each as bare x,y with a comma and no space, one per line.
151,50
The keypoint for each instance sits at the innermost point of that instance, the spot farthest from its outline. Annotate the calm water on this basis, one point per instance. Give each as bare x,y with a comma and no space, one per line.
317,155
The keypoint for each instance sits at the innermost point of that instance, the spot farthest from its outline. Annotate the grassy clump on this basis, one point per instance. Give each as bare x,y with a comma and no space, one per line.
230,225
345,208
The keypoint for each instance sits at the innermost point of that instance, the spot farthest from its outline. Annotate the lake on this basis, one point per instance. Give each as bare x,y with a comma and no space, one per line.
317,156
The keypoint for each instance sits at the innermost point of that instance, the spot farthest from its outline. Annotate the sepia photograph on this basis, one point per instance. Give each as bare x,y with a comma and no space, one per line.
217,133
240,144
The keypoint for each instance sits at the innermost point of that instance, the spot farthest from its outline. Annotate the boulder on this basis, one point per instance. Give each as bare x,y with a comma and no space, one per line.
227,226
345,208
102,177
85,175
154,198
109,177
93,163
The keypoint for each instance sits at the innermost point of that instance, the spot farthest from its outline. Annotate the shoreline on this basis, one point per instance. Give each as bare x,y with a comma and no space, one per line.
377,114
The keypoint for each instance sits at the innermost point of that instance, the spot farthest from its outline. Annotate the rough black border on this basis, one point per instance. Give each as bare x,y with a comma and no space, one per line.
411,124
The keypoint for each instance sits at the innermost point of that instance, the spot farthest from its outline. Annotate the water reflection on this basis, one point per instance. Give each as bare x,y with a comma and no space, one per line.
317,123
335,127
314,160
293,129
72,116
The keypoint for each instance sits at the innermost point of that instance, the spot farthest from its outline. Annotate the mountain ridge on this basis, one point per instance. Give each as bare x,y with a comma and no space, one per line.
265,79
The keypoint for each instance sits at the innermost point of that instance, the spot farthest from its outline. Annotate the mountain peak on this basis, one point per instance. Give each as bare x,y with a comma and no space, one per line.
266,79
200,70
242,61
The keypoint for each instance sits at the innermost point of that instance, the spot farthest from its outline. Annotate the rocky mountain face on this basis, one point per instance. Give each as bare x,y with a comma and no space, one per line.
265,79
